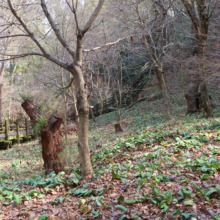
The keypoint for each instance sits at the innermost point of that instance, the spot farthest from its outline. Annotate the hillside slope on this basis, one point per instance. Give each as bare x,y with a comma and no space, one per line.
155,169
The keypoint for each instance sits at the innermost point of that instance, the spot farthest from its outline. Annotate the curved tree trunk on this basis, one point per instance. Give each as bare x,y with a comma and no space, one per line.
160,78
52,150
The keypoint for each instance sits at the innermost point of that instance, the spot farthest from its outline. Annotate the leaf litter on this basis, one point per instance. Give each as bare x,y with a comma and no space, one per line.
164,171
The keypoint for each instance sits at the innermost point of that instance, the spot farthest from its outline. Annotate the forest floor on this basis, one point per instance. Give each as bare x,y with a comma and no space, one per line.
155,169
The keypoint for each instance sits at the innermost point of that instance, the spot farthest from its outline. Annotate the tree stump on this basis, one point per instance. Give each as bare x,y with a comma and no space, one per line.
118,128
52,150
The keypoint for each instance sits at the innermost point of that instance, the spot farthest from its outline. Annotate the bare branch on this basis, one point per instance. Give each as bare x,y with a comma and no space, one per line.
12,57
16,35
192,14
69,6
56,29
93,17
64,88
74,12
109,44
32,36
210,14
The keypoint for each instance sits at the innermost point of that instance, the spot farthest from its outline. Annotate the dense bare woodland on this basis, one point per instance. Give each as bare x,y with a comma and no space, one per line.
109,87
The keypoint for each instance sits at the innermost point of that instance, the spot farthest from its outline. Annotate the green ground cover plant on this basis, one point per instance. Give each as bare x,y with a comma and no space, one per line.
155,169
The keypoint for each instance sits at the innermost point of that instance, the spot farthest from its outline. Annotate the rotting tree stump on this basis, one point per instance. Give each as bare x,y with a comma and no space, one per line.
118,128
52,150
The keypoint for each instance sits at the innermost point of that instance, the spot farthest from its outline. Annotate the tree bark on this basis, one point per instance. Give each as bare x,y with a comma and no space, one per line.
31,110
206,103
52,150
164,90
192,97
200,15
1,92
92,114
65,107
161,79
83,111
75,108
1,102
118,128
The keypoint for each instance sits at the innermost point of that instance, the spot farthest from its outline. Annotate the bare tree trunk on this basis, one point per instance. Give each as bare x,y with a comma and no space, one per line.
200,14
65,108
52,150
165,93
118,127
206,103
92,114
1,102
192,97
160,77
101,103
1,92
65,115
83,110
75,107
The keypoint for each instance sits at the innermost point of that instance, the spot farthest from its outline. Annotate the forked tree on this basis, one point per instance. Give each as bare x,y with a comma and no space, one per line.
151,19
200,12
75,67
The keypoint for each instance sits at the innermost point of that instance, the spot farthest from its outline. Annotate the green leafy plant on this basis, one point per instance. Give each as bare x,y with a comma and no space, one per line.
40,124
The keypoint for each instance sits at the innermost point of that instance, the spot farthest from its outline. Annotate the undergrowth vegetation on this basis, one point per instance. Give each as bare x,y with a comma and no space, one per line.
155,169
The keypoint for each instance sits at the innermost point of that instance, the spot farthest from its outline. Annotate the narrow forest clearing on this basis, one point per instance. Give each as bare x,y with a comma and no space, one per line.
166,170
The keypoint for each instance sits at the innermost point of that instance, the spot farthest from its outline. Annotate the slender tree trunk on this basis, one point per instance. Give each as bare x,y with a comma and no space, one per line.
1,92
165,93
118,127
75,107
119,106
65,115
83,110
161,80
101,103
206,104
65,108
52,150
205,101
92,114
1,102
